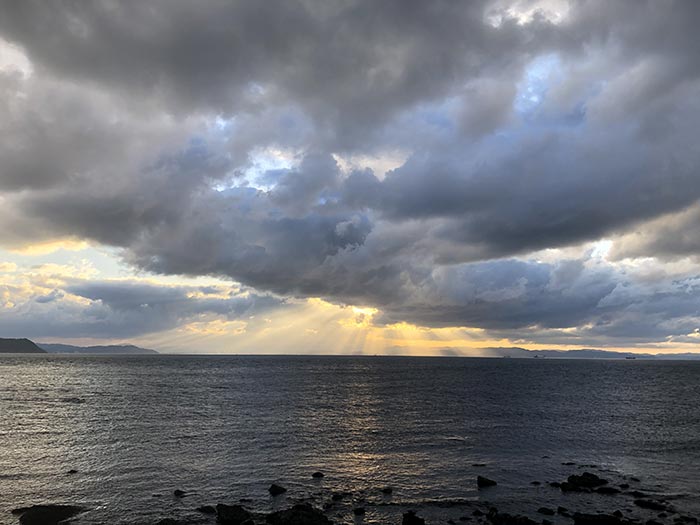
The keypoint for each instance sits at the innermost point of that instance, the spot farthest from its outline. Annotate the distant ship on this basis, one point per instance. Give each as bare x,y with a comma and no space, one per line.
630,357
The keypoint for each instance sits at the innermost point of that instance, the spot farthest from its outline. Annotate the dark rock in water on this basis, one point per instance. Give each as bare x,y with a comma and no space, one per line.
635,479
483,482
410,518
72,471
555,484
276,490
624,486
387,490
502,518
478,464
179,493
232,514
317,475
302,514
562,510
359,511
650,504
206,509
545,511
609,491
618,513
568,463
535,483
596,519
46,514
586,480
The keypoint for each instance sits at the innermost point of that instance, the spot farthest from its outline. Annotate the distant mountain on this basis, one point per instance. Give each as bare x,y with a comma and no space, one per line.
54,348
19,346
588,353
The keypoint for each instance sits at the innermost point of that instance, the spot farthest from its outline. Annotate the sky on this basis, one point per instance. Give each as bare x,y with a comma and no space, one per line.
314,176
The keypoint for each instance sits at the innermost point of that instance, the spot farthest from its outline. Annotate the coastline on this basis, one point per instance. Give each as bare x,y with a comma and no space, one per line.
593,496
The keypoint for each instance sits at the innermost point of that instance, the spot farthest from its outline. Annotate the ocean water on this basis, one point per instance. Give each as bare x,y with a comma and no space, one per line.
224,428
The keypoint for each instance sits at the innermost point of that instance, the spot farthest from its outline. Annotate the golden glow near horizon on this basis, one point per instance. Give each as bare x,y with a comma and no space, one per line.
302,326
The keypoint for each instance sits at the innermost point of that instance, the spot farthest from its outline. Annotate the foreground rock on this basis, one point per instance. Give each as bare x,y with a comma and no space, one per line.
46,514
502,518
410,518
582,483
302,514
276,489
483,482
233,515
600,519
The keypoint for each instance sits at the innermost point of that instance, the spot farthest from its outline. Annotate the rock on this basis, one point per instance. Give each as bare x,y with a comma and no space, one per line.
535,483
478,464
545,511
563,511
410,518
483,482
46,514
179,493
317,475
555,484
583,481
359,511
232,514
301,514
650,504
596,519
387,490
568,463
206,509
608,491
624,486
72,471
502,518
618,513
276,490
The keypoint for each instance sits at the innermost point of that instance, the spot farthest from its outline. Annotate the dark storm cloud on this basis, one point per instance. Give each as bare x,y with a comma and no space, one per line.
122,309
143,125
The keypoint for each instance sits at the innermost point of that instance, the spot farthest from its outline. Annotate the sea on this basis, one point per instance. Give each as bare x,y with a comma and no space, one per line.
118,434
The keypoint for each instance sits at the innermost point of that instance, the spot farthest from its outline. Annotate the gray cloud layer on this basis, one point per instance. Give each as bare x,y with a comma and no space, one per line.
142,126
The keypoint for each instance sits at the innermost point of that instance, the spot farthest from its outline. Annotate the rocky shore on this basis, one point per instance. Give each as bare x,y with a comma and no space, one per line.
593,498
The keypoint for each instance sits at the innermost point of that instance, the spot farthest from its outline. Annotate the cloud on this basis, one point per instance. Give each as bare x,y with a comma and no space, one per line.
521,127
54,306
